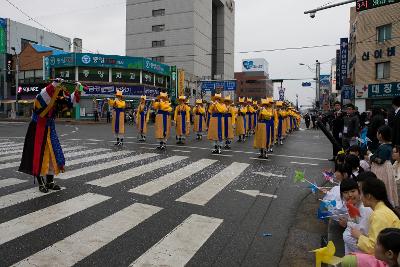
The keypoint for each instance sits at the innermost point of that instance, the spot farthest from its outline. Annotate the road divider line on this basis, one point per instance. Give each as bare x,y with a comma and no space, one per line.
38,219
181,244
134,172
153,187
78,246
202,194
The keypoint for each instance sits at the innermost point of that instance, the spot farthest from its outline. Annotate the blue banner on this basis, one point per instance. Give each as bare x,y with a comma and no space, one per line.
110,90
211,86
384,90
344,58
347,92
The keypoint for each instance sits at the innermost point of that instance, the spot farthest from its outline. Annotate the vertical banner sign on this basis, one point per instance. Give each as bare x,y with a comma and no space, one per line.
281,94
338,81
181,82
3,35
344,43
174,80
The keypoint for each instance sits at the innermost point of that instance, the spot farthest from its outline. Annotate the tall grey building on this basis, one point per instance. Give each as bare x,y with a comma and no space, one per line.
196,35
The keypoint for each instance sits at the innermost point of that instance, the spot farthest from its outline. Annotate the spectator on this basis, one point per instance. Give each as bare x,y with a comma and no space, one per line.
381,163
377,120
351,127
314,120
356,150
388,246
396,164
307,119
337,126
394,121
352,166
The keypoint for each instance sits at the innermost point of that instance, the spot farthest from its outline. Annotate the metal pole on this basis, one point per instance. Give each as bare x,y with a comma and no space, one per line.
317,84
330,6
16,85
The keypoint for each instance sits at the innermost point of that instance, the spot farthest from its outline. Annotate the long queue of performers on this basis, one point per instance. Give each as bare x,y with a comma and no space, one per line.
268,120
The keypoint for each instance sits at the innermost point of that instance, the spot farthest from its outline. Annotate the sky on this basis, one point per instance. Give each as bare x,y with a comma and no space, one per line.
259,25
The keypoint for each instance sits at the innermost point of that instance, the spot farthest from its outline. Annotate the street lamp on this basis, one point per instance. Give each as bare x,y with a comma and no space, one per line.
317,78
16,79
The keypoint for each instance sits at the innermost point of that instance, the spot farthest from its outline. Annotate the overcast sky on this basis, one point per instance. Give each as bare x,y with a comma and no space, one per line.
260,24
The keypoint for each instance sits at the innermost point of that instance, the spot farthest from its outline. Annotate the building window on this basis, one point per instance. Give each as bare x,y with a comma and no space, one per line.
158,43
383,70
158,28
158,12
384,33
158,59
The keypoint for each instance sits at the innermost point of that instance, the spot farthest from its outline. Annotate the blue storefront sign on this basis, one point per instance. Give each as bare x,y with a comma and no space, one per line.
384,90
347,92
110,90
344,44
211,86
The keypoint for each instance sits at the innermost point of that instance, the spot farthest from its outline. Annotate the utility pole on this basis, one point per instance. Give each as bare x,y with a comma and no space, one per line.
317,84
16,79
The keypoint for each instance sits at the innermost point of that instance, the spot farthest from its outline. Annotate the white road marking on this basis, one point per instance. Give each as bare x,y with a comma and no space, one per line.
86,152
261,159
8,144
22,196
78,246
17,156
38,219
304,163
134,172
10,181
255,193
163,182
16,146
270,174
180,245
221,155
183,151
95,140
202,194
106,165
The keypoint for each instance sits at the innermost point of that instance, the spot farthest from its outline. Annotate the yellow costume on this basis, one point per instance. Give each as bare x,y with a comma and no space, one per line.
281,127
241,125
142,118
216,131
199,113
250,116
118,117
163,119
182,119
262,138
229,122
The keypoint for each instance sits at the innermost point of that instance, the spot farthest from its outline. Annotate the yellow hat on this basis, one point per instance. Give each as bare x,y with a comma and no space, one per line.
119,93
217,96
182,98
199,102
249,100
188,101
255,102
241,99
143,97
279,103
264,102
162,95
227,98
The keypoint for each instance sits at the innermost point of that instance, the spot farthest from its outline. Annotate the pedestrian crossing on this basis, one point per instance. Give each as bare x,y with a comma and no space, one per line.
105,168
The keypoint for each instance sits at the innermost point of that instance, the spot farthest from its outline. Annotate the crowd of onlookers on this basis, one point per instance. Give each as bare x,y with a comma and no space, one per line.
367,173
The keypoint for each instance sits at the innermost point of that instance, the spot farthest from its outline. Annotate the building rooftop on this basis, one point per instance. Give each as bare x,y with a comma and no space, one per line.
41,48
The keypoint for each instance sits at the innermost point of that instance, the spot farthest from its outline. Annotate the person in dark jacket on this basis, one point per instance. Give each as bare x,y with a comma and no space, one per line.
307,119
337,127
351,127
394,121
377,120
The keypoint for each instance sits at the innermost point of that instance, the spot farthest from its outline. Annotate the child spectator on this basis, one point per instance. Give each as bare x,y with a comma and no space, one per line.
381,163
388,246
352,165
357,151
334,192
396,164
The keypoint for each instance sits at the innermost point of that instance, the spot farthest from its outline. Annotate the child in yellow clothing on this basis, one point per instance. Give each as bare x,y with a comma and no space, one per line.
162,127
241,122
182,120
118,117
199,122
142,118
216,131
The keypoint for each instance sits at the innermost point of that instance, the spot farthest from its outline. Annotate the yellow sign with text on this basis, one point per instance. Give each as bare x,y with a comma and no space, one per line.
181,82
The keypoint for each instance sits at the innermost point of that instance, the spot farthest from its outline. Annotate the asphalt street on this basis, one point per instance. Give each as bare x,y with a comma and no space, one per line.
141,207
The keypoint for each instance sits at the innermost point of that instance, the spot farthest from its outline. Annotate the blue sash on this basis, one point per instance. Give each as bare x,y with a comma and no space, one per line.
117,115
200,122
219,117
142,115
280,124
165,119
226,123
249,113
267,129
183,118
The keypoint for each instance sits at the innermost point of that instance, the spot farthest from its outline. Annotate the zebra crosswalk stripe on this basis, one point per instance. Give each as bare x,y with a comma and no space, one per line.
21,196
134,172
10,181
180,245
78,246
202,194
163,182
105,165
25,224
10,152
97,157
6,143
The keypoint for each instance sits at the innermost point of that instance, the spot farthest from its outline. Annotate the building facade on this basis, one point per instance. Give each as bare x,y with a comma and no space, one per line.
374,55
255,85
194,35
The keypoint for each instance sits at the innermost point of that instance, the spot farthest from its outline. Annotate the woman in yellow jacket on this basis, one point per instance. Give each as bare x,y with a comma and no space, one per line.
162,106
262,138
216,131
199,122
229,122
241,125
142,118
118,117
182,120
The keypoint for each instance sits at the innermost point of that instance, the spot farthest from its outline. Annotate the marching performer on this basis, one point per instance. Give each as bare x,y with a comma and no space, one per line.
216,129
262,138
162,127
142,118
199,113
229,122
250,116
241,125
118,117
255,114
281,117
270,107
42,154
182,120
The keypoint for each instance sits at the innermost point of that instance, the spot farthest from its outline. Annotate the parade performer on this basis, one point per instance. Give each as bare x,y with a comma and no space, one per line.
216,129
162,106
42,154
281,114
142,118
241,125
271,123
250,116
199,113
229,122
262,138
256,108
118,117
182,120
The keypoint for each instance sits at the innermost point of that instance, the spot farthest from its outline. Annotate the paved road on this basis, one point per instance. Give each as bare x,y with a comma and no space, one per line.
141,207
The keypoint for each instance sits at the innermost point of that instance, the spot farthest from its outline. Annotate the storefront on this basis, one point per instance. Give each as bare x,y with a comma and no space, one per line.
377,95
103,75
